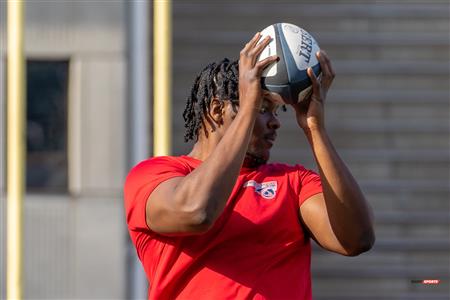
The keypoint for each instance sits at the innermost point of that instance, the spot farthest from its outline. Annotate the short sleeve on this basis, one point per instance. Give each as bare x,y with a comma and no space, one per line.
140,183
310,184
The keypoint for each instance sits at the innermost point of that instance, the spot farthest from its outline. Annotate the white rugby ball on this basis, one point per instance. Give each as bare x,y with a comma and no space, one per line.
296,49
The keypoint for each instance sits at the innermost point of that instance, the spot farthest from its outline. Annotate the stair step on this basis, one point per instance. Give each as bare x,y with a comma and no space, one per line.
379,155
378,288
366,96
410,81
430,258
381,271
356,125
413,200
388,296
413,218
404,68
316,10
293,138
400,185
407,244
417,231
383,39
382,170
325,39
404,97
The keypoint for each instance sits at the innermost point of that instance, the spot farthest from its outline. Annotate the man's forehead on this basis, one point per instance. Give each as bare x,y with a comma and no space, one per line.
273,98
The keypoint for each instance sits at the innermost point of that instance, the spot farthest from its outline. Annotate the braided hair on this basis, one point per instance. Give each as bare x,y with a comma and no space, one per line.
218,80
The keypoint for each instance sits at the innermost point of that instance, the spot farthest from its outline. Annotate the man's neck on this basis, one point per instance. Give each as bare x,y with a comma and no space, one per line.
204,146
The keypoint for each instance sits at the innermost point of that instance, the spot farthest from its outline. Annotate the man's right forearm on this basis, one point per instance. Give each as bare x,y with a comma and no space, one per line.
204,192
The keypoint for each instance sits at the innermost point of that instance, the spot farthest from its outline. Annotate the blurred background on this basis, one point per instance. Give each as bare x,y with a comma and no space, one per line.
387,112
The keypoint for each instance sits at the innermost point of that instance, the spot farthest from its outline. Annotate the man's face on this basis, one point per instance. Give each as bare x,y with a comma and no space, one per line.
264,132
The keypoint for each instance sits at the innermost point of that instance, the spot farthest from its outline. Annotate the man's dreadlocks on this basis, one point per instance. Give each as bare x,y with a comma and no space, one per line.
218,80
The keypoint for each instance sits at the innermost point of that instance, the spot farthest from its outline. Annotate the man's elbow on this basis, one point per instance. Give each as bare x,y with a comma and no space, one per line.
363,244
199,223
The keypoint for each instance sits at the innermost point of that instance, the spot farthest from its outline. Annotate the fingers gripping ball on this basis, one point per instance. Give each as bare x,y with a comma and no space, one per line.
297,50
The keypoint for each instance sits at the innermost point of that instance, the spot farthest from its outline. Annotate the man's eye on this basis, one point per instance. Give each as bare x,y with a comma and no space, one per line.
263,110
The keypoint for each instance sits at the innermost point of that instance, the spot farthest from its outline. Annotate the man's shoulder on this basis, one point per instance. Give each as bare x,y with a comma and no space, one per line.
166,161
161,159
162,164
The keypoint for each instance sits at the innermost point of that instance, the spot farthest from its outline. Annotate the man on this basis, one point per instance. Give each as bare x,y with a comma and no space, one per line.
222,223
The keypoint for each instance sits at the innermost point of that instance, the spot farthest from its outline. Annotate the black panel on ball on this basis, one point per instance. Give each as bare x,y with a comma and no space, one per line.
281,77
303,82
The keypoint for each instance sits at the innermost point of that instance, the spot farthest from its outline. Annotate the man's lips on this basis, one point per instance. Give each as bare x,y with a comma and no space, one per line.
271,137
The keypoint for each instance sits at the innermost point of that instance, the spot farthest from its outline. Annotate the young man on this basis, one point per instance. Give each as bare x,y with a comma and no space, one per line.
222,223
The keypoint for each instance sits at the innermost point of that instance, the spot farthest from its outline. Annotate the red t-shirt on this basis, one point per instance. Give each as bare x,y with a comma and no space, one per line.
256,249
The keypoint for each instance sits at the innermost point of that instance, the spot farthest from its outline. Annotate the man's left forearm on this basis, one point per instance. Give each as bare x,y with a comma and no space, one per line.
349,213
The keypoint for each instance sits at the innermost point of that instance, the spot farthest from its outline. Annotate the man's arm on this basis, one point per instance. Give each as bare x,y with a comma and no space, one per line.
191,204
339,219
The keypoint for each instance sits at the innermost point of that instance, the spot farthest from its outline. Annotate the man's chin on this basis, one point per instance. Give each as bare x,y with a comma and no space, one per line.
254,161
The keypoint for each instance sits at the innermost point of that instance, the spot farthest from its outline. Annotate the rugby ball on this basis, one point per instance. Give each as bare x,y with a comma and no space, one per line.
297,50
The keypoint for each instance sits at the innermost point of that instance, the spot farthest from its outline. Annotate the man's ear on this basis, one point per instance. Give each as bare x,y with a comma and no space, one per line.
216,111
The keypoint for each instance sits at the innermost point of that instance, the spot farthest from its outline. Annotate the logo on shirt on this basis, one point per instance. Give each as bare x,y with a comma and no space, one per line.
267,190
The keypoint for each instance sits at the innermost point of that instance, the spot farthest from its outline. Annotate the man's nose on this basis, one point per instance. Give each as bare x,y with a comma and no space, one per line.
274,123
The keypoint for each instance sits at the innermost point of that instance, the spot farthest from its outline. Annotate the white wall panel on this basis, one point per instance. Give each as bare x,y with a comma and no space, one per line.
103,126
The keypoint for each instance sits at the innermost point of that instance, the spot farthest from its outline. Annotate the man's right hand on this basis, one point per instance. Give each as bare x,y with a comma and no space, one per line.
250,71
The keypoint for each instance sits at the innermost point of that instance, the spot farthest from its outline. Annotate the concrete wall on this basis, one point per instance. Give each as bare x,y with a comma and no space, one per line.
387,112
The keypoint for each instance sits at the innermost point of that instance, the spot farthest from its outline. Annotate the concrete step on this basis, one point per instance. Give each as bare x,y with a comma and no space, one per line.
402,170
377,288
379,155
386,67
407,244
314,10
380,112
378,105
378,137
349,67
418,230
347,139
406,185
351,97
414,199
400,224
372,38
385,79
387,126
339,45
392,96
358,125
396,140
413,218
384,39
203,53
436,51
411,244
410,81
381,271
432,258
384,170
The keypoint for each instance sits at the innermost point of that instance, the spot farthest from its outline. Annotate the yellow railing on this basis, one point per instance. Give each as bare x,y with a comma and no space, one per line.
15,147
162,77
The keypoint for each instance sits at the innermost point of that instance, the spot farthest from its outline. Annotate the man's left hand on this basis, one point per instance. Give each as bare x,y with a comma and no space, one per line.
310,111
